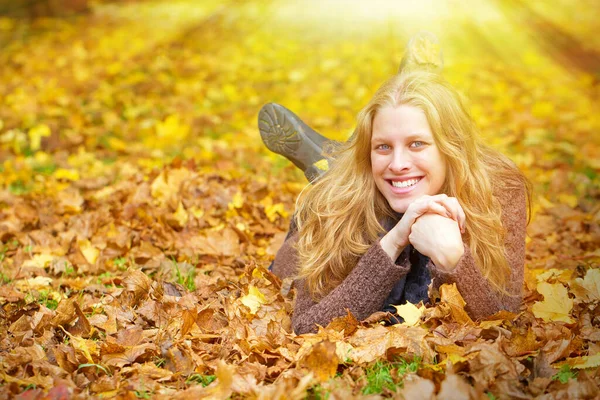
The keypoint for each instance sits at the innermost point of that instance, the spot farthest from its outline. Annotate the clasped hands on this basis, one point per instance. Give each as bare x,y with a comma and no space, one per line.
434,226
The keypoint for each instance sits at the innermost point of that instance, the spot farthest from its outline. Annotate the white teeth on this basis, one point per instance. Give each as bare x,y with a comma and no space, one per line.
404,184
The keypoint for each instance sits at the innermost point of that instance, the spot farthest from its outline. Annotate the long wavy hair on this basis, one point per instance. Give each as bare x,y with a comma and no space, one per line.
340,216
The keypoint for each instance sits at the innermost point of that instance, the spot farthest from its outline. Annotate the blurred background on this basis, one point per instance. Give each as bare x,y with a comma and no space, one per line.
92,89
132,172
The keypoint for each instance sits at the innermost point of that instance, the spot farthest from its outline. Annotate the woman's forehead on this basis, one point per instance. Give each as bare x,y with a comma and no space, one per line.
402,122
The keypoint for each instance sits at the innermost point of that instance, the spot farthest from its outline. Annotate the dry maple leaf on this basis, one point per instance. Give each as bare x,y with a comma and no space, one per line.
556,305
321,360
410,313
450,295
588,288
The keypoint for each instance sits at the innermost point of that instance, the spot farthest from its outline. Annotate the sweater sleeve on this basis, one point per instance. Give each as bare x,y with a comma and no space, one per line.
363,292
482,300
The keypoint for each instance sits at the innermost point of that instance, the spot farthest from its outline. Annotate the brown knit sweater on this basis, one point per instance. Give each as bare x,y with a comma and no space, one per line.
366,288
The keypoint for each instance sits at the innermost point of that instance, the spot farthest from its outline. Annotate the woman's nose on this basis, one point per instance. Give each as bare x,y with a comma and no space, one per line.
400,161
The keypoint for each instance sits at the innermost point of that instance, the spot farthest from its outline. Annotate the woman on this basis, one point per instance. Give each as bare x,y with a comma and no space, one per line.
412,198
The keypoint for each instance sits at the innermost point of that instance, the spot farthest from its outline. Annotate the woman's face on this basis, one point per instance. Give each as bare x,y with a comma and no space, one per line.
405,160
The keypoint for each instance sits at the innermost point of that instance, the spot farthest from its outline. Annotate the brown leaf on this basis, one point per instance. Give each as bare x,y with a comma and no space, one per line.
455,387
137,283
417,388
321,360
348,324
450,295
521,344
373,343
130,337
65,313
189,319
82,327
130,355
492,365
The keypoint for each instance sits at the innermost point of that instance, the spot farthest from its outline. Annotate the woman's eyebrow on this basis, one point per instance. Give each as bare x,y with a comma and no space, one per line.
411,137
418,135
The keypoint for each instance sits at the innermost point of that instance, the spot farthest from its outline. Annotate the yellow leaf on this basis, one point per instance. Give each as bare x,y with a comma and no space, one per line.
35,136
181,215
562,275
225,374
237,201
67,174
556,305
89,251
544,202
39,260
257,273
323,164
274,210
117,144
410,313
172,129
39,282
6,24
254,299
588,288
87,347
542,109
568,199
168,183
322,360
197,212
583,362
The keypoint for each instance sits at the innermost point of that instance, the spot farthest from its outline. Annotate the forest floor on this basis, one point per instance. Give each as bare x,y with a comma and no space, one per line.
139,208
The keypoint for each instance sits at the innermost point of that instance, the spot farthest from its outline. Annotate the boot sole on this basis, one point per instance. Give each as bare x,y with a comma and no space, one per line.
284,133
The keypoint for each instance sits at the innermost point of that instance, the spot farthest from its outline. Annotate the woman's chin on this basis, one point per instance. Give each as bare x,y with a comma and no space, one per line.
399,207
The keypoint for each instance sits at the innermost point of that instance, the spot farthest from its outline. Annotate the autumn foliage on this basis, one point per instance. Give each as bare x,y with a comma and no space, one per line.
139,210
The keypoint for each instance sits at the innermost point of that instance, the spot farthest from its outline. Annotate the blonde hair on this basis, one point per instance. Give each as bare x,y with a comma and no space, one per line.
340,216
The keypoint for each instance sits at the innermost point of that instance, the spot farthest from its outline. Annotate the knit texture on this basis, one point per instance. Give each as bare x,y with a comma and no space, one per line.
371,282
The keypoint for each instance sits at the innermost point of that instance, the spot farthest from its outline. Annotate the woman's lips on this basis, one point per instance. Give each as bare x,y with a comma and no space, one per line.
403,190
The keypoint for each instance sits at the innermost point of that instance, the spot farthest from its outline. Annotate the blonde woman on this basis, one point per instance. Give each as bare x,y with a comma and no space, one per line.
412,199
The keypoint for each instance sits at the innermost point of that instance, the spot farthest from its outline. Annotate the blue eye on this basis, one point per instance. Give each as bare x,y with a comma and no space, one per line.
383,147
417,143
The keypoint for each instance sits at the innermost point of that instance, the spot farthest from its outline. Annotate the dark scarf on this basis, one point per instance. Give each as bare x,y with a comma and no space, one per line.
411,287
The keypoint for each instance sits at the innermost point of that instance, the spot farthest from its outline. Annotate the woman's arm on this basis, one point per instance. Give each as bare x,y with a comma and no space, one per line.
363,292
482,300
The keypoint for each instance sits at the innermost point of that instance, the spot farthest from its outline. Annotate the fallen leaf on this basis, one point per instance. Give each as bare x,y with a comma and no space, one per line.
254,299
410,313
582,362
588,288
556,305
321,360
90,252
450,295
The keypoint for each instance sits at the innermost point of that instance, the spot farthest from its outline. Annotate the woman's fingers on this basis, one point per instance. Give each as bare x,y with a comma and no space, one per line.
458,214
437,208
451,208
418,208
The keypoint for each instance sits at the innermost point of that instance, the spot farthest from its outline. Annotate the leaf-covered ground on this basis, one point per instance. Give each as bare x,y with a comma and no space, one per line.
139,209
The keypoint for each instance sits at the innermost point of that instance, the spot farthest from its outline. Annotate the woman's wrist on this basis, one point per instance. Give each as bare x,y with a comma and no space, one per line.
392,245
448,260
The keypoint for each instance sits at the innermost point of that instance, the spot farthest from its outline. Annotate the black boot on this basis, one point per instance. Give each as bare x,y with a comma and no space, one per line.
286,134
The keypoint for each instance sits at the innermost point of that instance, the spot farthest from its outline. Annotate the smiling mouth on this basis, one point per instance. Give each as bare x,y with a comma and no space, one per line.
405,183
